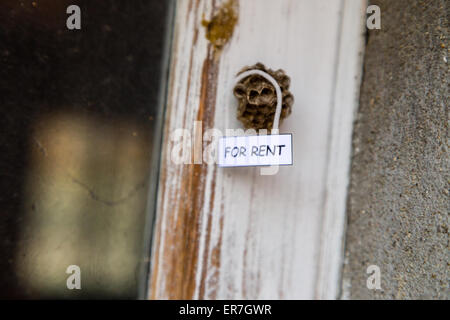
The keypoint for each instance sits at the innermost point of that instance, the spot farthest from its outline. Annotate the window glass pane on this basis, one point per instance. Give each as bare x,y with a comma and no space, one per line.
80,133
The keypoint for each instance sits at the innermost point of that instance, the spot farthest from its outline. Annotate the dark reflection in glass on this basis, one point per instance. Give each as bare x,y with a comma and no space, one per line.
80,132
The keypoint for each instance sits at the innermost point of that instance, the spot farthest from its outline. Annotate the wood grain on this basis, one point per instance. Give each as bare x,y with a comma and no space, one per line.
233,233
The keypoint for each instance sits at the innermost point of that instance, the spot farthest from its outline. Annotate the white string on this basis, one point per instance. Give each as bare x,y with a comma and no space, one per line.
276,119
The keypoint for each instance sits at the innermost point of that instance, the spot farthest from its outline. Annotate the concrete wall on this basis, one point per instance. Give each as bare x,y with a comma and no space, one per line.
398,197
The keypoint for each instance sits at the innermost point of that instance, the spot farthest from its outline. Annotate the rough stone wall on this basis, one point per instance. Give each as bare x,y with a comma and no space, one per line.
398,200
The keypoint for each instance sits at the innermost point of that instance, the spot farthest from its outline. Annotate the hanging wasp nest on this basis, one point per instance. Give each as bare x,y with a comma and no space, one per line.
258,99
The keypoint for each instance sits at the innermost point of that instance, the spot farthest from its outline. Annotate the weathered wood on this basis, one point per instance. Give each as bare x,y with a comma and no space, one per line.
233,233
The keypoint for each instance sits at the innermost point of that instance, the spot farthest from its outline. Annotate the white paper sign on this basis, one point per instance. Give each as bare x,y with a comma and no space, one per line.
263,150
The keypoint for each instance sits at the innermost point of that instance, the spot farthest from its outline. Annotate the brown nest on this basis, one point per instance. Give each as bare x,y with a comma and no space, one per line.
258,100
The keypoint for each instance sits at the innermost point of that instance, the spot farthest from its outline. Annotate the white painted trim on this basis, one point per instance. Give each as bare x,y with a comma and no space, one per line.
261,237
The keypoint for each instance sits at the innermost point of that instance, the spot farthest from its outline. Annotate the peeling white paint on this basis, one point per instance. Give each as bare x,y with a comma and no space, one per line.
281,234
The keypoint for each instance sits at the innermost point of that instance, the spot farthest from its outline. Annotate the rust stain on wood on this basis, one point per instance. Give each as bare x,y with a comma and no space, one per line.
194,199
182,234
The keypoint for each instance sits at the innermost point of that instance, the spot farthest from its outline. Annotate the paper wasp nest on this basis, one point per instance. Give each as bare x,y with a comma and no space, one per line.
258,99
